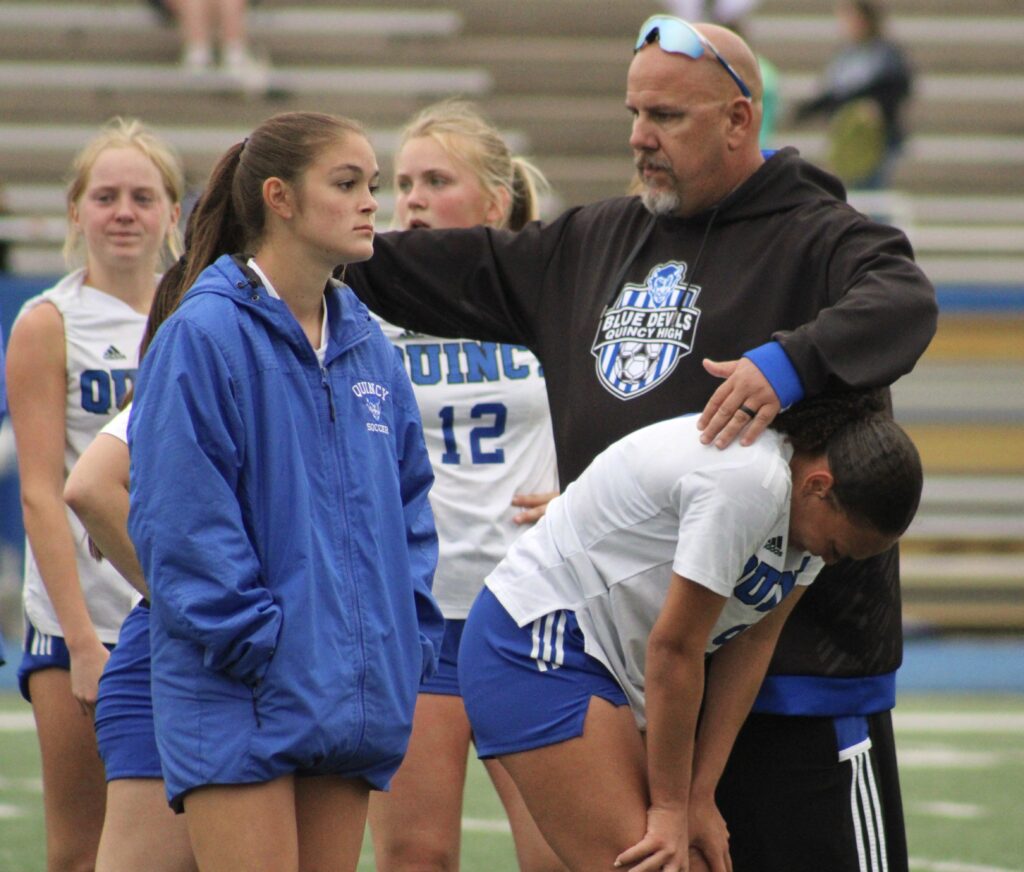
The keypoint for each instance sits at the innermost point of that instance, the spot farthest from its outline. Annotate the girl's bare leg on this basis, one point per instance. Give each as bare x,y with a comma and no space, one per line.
74,788
140,830
418,824
244,827
588,795
532,851
332,820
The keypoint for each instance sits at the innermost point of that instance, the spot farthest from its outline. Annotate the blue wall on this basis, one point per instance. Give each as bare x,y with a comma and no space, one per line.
14,291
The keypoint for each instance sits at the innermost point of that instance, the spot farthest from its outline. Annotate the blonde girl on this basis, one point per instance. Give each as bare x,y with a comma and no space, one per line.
488,431
72,356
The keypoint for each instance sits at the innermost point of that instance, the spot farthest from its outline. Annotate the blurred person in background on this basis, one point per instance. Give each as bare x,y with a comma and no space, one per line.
140,831
72,358
863,93
488,432
205,24
718,11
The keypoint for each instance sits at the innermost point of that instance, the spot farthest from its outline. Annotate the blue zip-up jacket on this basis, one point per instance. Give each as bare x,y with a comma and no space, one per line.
279,510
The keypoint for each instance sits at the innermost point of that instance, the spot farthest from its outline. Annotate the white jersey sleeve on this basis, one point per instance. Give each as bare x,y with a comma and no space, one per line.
724,513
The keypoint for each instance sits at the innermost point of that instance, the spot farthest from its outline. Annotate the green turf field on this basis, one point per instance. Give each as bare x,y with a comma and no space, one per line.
962,760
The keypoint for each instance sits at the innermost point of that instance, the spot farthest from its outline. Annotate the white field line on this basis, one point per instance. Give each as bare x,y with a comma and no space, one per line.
920,865
480,825
949,758
954,810
30,785
958,722
16,722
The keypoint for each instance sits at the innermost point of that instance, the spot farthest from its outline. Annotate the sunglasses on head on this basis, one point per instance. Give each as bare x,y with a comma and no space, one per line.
677,36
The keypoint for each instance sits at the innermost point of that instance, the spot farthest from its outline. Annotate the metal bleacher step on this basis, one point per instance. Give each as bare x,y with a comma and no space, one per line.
986,35
424,81
351,21
962,392
962,560
964,404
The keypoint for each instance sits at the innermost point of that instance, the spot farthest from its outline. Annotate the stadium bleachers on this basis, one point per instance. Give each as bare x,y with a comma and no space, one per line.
551,73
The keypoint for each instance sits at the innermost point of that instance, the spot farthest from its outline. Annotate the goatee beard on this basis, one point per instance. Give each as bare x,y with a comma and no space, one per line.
660,202
657,201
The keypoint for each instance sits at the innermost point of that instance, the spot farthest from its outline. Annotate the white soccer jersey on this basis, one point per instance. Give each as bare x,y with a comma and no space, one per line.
488,431
102,336
655,502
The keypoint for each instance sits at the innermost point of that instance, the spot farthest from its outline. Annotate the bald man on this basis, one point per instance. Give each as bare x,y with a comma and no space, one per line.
732,286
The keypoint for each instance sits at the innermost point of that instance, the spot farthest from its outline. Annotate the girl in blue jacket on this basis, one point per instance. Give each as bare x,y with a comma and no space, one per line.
279,510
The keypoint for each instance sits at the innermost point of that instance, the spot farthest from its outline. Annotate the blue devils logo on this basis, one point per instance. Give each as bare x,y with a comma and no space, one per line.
645,332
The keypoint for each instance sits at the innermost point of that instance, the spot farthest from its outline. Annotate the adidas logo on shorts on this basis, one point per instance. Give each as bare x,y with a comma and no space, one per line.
112,353
774,545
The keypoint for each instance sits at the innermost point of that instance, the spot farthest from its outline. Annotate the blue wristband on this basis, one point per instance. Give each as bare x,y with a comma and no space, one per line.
780,372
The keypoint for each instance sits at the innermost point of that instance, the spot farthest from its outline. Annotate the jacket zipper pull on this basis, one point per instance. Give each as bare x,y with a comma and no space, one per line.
327,387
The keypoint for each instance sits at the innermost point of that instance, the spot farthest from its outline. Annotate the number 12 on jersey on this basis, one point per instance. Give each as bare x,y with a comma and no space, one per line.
493,417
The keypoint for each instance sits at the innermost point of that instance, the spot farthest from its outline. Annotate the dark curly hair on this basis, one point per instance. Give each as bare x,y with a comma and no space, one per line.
875,465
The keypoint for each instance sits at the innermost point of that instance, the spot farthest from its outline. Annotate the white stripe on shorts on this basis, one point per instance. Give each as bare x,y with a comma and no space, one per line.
42,644
866,813
546,652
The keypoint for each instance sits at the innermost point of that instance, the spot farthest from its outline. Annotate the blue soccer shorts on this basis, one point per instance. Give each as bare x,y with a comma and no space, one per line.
527,687
445,680
124,709
42,651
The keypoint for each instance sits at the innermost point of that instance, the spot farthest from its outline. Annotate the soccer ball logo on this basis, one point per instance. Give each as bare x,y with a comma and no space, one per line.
635,361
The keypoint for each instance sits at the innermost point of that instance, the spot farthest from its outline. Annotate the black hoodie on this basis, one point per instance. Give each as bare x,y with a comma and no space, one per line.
621,308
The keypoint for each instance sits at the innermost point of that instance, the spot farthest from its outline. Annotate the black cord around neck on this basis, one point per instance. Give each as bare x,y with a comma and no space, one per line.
621,274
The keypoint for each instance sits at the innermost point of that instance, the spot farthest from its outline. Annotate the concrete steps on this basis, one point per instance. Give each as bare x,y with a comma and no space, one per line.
553,72
962,561
964,405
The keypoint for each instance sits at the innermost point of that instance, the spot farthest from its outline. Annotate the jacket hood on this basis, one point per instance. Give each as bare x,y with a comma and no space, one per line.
229,277
784,181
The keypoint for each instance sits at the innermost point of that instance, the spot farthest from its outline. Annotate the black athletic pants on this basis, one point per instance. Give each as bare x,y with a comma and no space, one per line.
792,806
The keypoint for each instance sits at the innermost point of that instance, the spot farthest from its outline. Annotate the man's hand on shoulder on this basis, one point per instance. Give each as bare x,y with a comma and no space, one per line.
744,403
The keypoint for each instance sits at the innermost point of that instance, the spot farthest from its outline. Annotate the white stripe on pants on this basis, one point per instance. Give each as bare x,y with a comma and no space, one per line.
866,814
